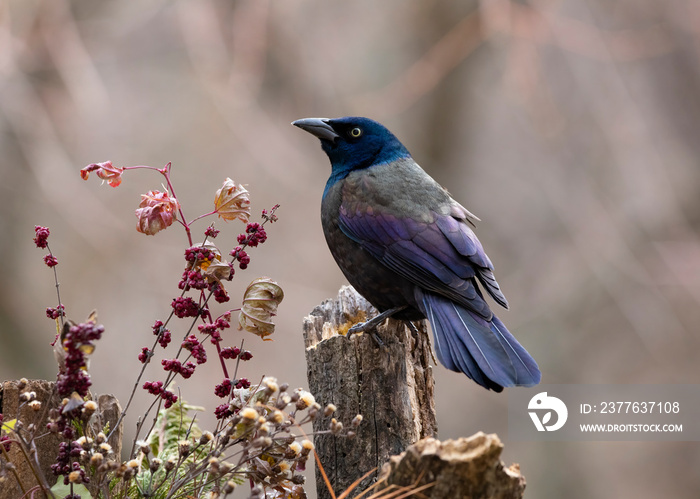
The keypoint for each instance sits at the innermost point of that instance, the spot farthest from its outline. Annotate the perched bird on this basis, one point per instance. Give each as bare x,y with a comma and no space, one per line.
408,248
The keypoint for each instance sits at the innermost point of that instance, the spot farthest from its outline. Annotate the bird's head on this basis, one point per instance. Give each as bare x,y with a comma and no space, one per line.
353,143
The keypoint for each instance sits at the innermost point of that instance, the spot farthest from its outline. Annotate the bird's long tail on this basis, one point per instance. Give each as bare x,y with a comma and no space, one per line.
483,350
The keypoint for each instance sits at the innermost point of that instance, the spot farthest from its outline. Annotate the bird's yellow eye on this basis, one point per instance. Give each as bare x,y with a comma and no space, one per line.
355,132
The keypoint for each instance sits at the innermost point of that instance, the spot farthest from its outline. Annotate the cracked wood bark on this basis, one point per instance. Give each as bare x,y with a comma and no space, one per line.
391,386
467,468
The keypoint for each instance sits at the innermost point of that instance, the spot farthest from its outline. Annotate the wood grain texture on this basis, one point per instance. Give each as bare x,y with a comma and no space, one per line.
391,385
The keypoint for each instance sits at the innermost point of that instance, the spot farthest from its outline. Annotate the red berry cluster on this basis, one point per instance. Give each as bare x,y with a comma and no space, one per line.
223,411
192,344
184,306
242,383
192,276
269,216
192,279
220,294
254,234
199,254
212,329
145,355
63,465
55,313
223,389
162,333
174,365
41,237
156,388
238,253
50,261
73,377
230,352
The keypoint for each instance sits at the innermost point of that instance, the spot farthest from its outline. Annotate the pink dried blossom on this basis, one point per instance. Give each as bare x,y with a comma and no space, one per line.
112,174
157,211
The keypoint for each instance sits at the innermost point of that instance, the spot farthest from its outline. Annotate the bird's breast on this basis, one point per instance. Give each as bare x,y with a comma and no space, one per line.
381,286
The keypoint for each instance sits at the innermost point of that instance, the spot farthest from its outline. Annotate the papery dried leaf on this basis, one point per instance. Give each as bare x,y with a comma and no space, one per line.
260,302
217,271
232,201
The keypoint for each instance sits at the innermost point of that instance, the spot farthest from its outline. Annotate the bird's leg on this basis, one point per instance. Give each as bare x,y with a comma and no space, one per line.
363,327
414,330
377,339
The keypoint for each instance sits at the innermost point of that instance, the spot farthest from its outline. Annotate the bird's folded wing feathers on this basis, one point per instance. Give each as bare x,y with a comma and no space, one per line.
443,256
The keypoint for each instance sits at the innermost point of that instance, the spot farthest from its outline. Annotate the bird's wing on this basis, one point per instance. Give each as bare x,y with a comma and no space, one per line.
442,254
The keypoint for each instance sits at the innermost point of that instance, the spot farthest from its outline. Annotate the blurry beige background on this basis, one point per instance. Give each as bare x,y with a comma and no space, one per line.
570,127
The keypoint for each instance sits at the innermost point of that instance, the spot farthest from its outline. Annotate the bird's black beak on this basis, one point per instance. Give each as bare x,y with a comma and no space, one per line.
319,127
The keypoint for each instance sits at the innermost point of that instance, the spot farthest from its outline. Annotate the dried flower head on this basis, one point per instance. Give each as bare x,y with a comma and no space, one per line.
96,459
143,446
183,447
270,385
336,426
232,201
275,416
157,211
305,399
249,414
84,442
307,446
27,396
75,477
206,437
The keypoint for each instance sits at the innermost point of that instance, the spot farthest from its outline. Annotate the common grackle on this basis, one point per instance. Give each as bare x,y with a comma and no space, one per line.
408,248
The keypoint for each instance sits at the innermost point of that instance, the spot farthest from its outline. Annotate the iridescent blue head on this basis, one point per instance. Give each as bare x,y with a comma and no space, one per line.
353,143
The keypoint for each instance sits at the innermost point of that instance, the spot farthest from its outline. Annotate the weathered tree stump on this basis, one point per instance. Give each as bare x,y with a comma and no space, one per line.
33,462
390,385
468,468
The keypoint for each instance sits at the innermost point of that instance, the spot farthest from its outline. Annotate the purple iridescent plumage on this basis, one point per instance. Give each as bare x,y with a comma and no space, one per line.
402,241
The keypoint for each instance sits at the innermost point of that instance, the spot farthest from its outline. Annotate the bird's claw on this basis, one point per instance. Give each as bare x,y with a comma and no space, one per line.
360,327
367,327
371,324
